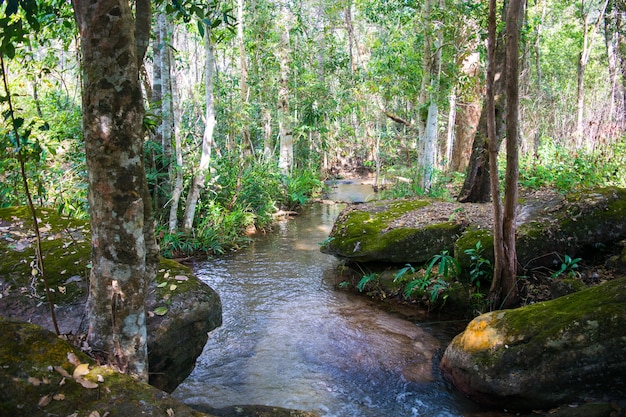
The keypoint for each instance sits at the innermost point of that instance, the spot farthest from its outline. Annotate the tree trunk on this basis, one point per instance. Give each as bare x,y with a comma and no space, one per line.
621,52
433,44
467,116
583,59
476,187
113,132
503,291
285,161
243,83
176,171
202,171
156,137
166,113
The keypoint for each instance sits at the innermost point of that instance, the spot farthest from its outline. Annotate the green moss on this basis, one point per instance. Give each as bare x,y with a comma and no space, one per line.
65,247
370,232
547,319
31,382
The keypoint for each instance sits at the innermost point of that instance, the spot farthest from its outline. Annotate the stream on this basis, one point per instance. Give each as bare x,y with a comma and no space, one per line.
290,339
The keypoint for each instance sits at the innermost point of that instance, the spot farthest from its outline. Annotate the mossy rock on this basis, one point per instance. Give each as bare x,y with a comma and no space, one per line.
387,231
37,378
568,349
181,308
549,226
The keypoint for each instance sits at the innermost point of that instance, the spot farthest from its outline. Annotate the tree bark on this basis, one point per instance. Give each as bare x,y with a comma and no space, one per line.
113,132
467,115
503,291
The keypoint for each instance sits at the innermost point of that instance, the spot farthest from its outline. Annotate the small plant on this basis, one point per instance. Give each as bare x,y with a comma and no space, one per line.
420,283
481,269
567,267
365,280
447,266
402,272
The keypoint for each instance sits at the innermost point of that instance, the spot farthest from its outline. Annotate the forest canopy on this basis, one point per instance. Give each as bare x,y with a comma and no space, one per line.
250,104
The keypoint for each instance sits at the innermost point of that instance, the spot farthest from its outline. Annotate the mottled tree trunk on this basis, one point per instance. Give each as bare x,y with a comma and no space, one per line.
113,132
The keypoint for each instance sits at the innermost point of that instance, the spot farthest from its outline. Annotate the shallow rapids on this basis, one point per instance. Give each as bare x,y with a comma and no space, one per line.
290,339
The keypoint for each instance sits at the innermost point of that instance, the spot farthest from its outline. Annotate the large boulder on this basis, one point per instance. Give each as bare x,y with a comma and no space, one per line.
549,353
43,375
181,309
549,225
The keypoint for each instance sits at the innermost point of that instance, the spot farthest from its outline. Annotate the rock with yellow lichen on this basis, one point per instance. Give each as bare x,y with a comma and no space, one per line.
568,349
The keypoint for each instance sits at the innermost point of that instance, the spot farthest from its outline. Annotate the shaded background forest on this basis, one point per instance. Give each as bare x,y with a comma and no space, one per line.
251,104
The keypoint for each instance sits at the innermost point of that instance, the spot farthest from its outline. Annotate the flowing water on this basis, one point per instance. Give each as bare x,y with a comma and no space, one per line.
290,339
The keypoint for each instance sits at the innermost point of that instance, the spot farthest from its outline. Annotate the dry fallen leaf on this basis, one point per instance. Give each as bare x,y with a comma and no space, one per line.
181,278
100,378
62,371
81,370
62,382
73,358
44,401
73,415
34,381
86,383
58,397
94,414
170,412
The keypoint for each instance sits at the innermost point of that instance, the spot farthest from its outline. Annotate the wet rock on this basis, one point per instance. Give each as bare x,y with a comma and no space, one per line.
568,349
41,376
181,309
177,338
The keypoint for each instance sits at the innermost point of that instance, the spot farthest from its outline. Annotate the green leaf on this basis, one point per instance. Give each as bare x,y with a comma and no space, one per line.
162,285
161,311
201,28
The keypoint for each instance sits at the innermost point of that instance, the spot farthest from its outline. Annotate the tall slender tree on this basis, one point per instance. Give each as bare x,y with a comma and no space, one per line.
503,291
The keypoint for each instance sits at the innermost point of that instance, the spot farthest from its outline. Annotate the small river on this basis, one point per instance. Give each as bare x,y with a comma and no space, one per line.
290,339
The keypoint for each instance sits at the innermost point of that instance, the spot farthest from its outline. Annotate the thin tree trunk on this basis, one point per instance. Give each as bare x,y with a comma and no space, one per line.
433,53
583,59
285,161
167,118
243,82
156,137
202,171
503,291
176,171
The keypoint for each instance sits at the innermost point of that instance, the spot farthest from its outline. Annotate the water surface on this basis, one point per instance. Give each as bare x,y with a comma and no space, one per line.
290,339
